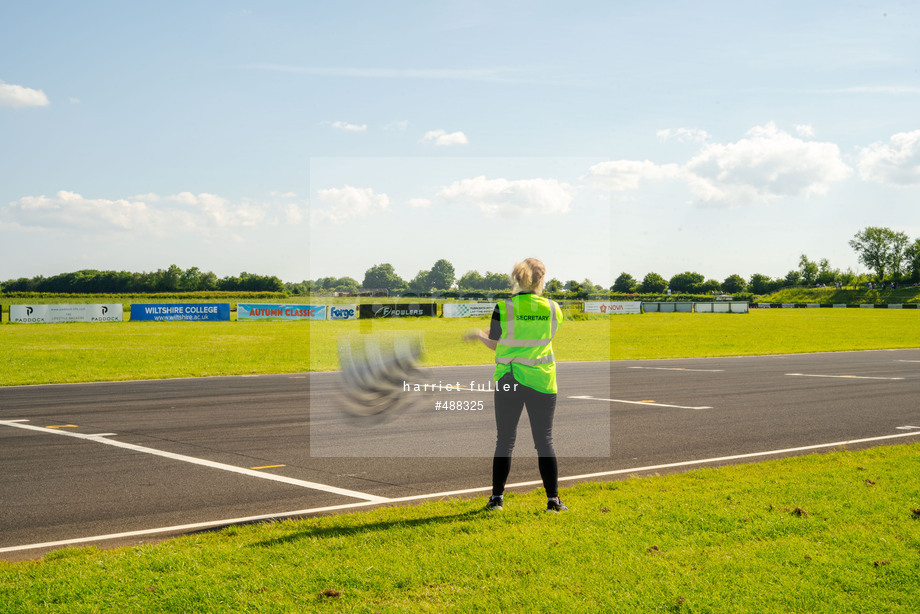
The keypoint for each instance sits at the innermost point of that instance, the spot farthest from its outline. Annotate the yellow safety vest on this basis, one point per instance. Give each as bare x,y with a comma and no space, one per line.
529,323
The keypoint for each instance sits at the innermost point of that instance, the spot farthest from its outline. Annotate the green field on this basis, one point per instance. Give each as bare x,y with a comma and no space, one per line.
834,533
78,352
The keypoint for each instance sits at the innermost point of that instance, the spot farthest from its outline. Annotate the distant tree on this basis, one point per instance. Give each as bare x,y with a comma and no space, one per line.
441,275
497,281
710,286
573,286
760,284
653,283
847,278
684,282
826,274
553,286
881,249
912,254
383,276
734,284
624,284
808,270
471,280
793,278
420,284
345,284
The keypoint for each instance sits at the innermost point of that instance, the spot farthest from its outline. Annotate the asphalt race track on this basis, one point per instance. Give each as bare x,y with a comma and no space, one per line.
118,463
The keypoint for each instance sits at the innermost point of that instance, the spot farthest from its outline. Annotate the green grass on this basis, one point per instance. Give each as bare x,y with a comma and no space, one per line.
832,532
832,296
77,352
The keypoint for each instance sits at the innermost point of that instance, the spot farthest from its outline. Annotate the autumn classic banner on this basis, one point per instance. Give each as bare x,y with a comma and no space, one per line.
261,311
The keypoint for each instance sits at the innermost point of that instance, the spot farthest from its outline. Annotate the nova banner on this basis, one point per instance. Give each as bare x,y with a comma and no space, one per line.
190,312
468,310
52,314
261,311
401,310
612,308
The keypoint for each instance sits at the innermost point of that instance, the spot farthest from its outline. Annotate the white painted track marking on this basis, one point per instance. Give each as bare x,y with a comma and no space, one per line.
650,403
844,376
680,369
348,506
101,438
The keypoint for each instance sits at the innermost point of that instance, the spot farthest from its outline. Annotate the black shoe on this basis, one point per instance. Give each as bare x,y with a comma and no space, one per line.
495,502
555,505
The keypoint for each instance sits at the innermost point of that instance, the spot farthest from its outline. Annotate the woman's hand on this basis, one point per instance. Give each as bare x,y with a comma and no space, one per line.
472,334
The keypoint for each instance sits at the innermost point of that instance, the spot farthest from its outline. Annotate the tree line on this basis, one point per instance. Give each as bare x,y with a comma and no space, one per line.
172,279
890,255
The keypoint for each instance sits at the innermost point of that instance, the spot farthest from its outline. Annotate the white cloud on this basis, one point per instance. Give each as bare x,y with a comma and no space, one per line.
397,126
220,211
683,135
805,130
293,214
443,139
17,96
144,213
768,163
349,202
894,163
418,203
620,175
510,198
346,127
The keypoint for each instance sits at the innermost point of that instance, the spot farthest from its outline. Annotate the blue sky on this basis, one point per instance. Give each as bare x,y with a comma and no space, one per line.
315,139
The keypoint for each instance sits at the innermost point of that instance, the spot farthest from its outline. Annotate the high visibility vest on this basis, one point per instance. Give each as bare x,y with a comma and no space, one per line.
529,323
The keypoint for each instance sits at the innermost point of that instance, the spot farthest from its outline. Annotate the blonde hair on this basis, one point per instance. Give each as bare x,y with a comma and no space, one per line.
528,276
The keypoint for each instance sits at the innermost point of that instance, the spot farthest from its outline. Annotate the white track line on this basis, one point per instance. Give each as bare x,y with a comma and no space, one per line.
101,438
650,403
845,376
349,506
679,369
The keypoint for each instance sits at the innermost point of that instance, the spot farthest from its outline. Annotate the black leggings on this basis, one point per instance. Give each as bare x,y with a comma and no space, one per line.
540,409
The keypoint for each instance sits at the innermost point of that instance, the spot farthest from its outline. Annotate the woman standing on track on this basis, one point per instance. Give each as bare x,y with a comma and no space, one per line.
521,335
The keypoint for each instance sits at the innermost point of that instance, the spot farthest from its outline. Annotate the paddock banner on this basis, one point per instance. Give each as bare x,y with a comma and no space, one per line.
401,310
190,312
262,311
613,308
53,314
468,310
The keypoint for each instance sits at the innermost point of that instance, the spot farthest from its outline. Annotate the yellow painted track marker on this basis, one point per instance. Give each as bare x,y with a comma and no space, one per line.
62,426
268,467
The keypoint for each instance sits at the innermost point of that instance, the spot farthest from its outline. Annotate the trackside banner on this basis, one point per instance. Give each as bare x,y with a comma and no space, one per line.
52,314
613,308
343,312
190,312
402,310
261,311
467,310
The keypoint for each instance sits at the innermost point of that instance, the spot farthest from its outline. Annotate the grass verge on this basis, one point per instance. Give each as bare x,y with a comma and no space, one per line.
836,532
78,352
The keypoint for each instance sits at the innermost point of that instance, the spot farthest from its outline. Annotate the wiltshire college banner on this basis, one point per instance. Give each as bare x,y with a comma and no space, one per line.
401,310
192,312
51,314
261,311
